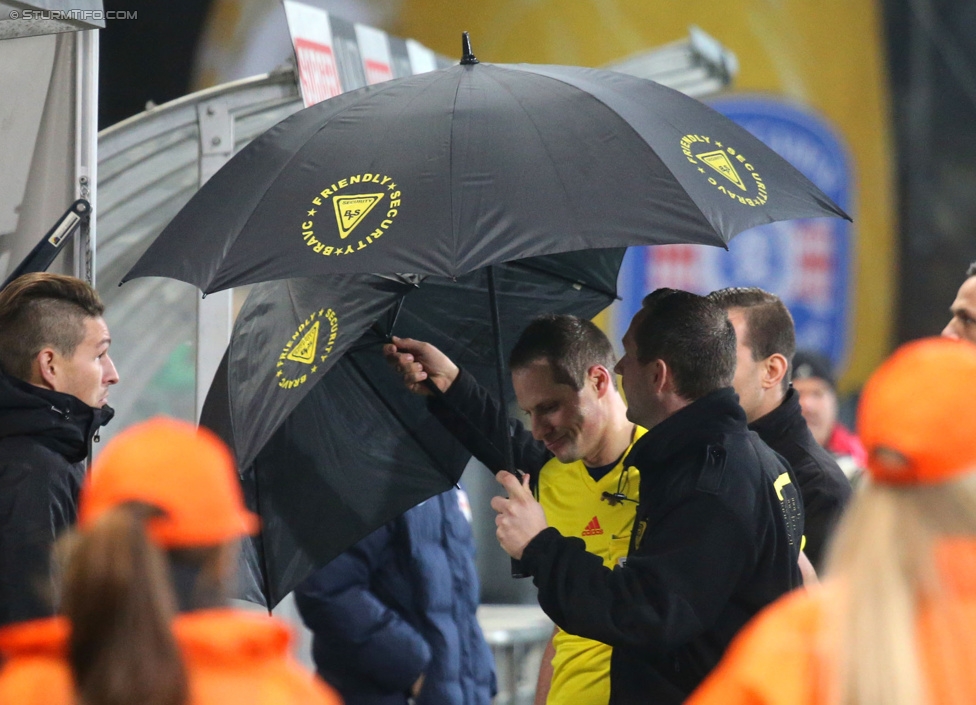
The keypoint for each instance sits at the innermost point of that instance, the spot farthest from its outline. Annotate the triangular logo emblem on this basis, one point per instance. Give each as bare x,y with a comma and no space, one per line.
304,351
721,163
593,528
350,210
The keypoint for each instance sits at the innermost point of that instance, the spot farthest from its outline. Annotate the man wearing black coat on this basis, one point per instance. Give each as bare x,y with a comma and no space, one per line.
55,372
766,343
710,547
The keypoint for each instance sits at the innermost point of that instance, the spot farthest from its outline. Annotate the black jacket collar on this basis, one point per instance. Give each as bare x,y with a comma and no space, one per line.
704,419
58,421
782,420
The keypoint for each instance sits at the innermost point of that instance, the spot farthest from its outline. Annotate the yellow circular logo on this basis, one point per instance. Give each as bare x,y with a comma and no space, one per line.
307,349
364,206
726,169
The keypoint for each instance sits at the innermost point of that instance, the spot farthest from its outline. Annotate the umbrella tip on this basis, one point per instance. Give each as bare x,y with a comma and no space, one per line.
466,56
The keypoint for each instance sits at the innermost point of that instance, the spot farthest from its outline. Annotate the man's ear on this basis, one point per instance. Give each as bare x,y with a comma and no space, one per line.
774,369
602,379
662,379
44,371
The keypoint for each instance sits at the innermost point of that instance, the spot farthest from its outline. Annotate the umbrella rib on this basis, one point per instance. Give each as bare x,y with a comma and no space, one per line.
450,168
389,407
523,265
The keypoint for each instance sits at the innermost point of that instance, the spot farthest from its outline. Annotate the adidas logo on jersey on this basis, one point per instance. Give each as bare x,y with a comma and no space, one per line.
593,528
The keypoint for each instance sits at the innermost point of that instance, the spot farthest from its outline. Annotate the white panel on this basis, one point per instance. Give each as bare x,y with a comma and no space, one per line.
25,72
374,47
422,59
51,183
311,37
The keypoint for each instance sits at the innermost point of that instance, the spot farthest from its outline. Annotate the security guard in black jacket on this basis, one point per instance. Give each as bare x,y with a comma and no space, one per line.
711,545
766,343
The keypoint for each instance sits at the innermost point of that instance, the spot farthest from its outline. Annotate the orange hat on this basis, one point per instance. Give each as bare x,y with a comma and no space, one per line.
186,472
920,405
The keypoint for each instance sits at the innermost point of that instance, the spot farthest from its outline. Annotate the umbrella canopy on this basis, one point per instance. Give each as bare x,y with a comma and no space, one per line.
452,170
327,460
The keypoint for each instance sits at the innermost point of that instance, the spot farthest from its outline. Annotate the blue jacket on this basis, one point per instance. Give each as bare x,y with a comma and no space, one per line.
399,603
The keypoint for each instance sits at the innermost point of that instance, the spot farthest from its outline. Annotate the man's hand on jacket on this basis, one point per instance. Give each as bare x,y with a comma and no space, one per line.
418,361
520,518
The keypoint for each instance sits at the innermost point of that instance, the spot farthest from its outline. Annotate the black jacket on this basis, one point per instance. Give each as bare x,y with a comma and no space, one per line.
475,419
823,486
710,549
45,438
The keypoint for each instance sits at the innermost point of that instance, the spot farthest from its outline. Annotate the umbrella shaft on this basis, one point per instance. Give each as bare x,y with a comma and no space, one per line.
496,329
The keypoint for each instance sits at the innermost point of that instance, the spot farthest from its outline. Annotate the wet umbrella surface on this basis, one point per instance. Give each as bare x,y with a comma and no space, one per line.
449,171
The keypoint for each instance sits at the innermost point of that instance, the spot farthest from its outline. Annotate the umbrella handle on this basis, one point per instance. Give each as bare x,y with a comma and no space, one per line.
517,570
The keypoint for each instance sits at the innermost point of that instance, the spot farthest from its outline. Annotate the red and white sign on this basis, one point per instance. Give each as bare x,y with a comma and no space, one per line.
311,36
374,47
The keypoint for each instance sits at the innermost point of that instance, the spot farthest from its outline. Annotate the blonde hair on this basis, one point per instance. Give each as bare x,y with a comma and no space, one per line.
120,594
884,563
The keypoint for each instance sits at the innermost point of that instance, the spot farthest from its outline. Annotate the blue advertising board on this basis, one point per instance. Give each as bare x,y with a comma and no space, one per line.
807,263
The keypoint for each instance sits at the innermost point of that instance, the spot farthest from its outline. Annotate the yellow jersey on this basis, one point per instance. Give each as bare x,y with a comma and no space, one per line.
574,504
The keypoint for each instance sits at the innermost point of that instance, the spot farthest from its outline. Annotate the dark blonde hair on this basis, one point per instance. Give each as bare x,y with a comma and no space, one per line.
119,598
39,310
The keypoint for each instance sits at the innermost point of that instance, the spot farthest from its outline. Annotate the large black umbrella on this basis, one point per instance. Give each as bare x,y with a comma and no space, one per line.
330,443
445,173
449,171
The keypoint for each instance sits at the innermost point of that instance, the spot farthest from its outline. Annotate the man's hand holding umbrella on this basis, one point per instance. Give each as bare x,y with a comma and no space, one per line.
520,518
418,361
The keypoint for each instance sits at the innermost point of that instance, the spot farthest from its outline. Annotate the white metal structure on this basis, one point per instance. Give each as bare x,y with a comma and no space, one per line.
698,66
48,124
149,167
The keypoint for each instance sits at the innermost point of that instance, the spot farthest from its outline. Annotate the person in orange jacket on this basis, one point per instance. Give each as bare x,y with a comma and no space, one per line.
143,597
894,620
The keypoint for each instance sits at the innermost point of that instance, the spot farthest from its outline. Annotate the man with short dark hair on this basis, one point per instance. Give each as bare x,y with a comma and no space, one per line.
765,345
962,325
562,373
55,373
711,545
